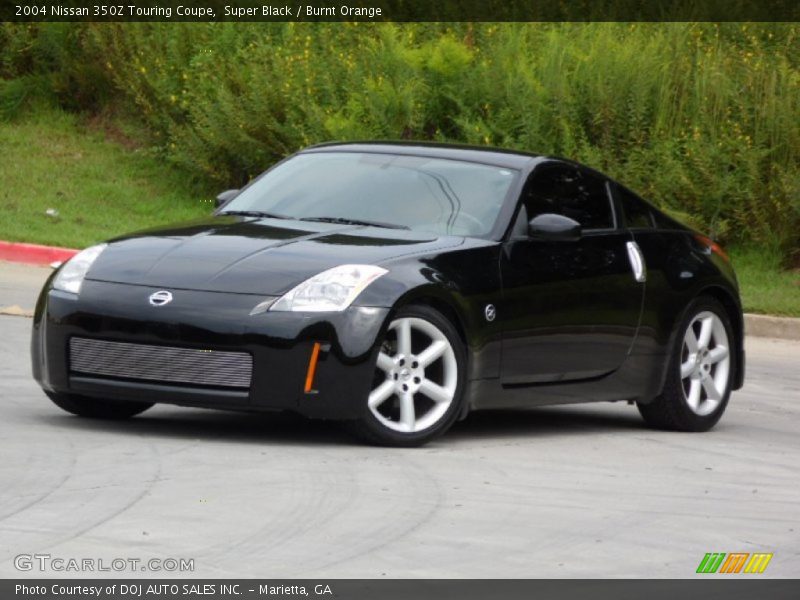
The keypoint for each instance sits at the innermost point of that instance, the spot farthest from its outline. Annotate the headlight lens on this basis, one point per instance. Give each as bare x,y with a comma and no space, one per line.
70,277
331,290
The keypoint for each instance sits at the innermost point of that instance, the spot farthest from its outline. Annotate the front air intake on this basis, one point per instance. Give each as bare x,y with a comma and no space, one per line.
166,364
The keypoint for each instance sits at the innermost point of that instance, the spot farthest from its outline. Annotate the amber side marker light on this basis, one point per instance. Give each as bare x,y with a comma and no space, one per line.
312,369
713,246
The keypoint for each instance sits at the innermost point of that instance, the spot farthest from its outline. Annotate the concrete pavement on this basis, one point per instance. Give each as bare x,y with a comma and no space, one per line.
582,491
19,287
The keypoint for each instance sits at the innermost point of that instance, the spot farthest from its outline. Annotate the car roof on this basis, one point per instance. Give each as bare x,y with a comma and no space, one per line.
511,159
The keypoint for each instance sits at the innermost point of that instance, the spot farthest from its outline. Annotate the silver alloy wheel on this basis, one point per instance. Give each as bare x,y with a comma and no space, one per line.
420,386
705,363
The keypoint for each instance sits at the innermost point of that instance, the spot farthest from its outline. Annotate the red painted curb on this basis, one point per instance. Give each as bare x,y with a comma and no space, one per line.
34,254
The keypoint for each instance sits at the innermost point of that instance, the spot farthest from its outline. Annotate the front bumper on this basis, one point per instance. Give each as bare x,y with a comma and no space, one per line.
280,343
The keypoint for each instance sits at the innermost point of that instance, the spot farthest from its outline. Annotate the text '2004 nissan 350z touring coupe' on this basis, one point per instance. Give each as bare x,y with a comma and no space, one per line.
398,287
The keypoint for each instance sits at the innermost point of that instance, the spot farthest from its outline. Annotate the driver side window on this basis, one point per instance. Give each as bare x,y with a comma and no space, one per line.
566,190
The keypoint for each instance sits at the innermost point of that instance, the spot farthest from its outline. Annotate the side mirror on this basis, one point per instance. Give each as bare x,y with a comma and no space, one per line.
223,197
554,227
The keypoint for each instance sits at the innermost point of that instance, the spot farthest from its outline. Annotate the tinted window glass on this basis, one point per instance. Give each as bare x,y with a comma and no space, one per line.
664,222
569,191
430,194
637,213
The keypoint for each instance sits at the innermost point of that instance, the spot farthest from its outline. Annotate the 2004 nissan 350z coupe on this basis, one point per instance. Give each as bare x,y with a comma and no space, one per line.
398,287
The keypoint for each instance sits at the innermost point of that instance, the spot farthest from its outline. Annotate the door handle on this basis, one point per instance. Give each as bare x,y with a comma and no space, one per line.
637,262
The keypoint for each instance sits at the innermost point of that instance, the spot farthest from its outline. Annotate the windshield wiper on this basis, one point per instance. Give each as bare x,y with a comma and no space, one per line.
339,220
254,213
346,221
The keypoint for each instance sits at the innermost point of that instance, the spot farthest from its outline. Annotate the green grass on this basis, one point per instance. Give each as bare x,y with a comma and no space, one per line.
100,188
703,119
766,288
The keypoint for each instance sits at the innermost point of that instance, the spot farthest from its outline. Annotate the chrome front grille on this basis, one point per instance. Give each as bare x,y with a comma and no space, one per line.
167,364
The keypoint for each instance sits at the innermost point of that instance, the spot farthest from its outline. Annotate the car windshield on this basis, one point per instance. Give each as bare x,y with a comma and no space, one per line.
441,196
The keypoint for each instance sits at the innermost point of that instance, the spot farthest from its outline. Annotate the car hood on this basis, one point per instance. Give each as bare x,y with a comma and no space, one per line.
251,256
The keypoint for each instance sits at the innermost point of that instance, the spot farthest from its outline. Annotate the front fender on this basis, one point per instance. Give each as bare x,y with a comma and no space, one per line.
460,284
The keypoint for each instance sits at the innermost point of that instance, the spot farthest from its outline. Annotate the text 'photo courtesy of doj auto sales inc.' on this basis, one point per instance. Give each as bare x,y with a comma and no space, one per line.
169,590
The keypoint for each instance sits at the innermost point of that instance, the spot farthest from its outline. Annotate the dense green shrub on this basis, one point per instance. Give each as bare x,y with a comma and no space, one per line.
703,119
49,63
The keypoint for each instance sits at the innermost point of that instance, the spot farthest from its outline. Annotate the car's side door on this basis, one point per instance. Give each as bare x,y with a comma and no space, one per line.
570,308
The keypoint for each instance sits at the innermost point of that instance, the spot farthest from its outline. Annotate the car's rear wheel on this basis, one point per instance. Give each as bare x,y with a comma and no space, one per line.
96,408
698,383
418,382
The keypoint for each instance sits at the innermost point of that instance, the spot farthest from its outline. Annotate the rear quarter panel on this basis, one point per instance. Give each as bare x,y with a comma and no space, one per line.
679,268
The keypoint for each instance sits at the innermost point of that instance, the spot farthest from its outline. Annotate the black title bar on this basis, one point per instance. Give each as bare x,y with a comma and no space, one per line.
729,588
399,10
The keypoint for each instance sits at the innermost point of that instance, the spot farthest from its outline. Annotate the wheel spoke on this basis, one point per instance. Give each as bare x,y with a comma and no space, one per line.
693,397
379,395
711,389
706,327
404,337
705,372
385,362
717,354
407,413
404,375
434,391
690,339
687,368
431,353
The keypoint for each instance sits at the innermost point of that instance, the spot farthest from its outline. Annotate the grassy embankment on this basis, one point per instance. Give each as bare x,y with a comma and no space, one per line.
98,186
103,184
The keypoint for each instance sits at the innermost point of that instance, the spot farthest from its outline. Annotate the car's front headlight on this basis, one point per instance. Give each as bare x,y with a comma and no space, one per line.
70,277
331,290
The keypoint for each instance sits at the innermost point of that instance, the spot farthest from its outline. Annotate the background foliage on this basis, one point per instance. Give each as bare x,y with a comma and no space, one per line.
701,119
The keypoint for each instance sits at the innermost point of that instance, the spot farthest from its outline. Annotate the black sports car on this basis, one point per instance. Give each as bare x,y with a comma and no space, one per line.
398,287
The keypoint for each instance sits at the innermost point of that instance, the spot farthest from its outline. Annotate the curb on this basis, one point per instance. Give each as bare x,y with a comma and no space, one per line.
15,310
785,328
34,254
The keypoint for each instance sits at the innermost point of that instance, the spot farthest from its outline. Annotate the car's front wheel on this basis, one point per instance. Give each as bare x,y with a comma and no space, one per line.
97,409
418,382
698,383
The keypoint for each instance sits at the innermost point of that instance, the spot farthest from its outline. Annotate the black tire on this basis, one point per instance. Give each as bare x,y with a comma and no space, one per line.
97,409
670,410
369,429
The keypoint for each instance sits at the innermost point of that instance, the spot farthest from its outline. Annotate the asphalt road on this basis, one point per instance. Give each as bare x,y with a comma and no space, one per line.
19,286
582,491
